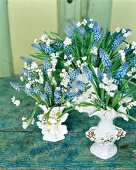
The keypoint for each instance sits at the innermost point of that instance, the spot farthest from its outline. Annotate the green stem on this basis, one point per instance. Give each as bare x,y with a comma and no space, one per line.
33,113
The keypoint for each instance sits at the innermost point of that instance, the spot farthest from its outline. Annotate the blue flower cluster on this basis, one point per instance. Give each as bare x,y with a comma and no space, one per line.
47,89
98,33
46,65
70,95
88,73
57,96
44,47
133,61
80,85
16,86
27,60
105,59
120,73
74,75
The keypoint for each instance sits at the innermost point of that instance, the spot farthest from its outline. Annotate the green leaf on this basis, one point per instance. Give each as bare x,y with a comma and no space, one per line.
56,35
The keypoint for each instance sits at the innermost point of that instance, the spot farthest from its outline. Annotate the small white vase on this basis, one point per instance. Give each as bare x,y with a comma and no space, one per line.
105,134
52,128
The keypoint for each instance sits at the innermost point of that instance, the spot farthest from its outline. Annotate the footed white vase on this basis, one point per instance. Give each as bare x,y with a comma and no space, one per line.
105,134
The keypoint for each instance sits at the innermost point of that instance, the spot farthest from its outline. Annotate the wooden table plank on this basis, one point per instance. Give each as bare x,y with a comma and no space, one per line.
27,150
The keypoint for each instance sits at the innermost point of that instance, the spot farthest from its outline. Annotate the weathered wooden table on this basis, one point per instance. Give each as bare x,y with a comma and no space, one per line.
25,149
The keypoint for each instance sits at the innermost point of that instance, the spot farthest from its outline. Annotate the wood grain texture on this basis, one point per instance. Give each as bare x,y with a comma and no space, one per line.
5,50
21,149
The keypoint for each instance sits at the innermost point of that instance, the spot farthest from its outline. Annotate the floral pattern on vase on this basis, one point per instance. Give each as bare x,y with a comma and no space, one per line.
105,134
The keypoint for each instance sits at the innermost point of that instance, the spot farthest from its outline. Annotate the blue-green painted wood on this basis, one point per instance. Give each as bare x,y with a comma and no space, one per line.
21,149
5,50
70,11
100,10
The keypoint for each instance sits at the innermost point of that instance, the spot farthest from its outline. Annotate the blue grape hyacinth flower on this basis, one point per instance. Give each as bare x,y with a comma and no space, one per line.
121,73
16,86
46,65
27,60
47,89
74,75
105,59
88,73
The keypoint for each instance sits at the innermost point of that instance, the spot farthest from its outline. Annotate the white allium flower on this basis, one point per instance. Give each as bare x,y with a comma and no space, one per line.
126,100
48,42
65,57
132,104
67,41
133,45
127,34
118,29
94,51
84,58
25,65
41,80
24,118
54,81
108,85
68,104
34,66
28,85
127,46
22,78
57,88
43,37
17,102
78,24
129,74
32,122
134,51
25,124
123,30
14,101
91,25
35,41
84,22
78,63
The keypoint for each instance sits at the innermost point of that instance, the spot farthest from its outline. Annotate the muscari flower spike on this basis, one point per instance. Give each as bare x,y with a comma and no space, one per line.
133,61
57,96
47,89
29,91
80,85
98,33
27,60
36,90
59,44
74,75
36,46
48,49
88,73
120,73
43,97
70,95
105,59
16,86
46,65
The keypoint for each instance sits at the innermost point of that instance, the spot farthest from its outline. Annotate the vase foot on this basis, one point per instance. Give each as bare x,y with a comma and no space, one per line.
103,152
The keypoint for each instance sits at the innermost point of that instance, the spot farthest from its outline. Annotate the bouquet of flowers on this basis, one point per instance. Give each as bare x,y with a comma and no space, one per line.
51,90
84,71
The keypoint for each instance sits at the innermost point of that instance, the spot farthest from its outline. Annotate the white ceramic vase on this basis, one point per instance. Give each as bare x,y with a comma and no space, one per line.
52,128
106,133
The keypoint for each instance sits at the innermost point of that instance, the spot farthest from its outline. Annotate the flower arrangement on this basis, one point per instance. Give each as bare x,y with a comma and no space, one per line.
84,71
52,93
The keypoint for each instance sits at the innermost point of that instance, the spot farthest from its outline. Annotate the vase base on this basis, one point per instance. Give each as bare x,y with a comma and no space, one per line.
103,152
